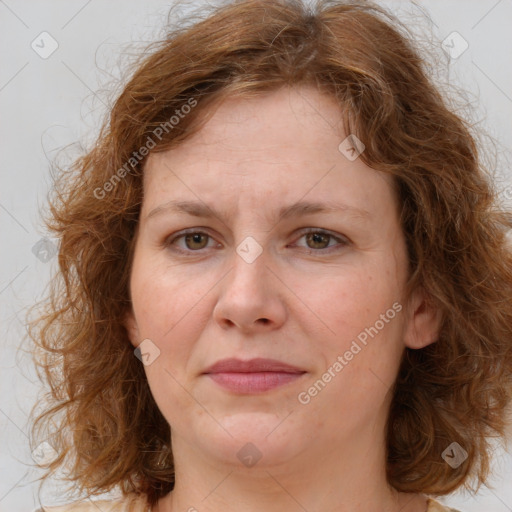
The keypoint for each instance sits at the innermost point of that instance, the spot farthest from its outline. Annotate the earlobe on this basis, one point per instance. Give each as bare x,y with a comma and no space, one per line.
423,321
131,328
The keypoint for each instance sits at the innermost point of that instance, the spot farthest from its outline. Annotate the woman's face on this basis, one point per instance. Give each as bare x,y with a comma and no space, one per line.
252,283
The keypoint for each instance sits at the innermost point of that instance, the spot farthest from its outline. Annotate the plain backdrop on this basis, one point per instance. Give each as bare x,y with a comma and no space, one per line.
61,60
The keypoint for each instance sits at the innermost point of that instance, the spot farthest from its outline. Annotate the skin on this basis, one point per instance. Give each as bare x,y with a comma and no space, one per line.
302,301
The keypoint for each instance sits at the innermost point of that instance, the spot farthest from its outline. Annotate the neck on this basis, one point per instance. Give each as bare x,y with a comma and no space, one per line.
343,478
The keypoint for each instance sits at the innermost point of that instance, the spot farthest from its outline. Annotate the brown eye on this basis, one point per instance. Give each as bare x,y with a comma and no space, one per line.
196,241
189,241
318,240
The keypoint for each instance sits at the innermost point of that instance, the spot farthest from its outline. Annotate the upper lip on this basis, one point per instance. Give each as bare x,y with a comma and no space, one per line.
259,364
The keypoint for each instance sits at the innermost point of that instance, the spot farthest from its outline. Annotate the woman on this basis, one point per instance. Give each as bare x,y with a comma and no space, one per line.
284,283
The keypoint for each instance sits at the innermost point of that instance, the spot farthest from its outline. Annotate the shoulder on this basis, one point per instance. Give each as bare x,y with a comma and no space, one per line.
126,504
435,506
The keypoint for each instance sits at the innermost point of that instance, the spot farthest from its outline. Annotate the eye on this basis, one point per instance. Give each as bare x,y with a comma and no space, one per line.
318,240
194,241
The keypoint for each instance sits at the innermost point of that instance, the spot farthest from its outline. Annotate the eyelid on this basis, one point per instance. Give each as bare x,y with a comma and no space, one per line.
341,239
169,240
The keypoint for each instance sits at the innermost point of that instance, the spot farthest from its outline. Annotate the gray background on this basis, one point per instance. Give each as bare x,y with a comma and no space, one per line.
48,103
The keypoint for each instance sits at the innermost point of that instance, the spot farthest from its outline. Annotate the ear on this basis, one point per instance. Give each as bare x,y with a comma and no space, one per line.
132,328
423,321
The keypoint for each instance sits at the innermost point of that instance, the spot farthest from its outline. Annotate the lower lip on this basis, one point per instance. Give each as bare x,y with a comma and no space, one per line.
253,382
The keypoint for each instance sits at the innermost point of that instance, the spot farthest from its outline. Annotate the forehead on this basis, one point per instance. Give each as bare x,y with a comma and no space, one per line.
299,115
286,144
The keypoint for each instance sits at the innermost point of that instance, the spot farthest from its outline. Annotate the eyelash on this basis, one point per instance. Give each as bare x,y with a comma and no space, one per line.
194,231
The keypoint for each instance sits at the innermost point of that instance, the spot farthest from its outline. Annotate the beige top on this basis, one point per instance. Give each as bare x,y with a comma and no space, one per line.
139,504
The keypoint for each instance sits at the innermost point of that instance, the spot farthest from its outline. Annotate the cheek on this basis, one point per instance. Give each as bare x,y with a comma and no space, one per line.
163,305
171,309
351,301
364,317
363,313
163,296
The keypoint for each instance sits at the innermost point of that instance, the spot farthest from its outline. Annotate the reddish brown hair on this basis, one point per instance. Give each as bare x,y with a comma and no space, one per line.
106,423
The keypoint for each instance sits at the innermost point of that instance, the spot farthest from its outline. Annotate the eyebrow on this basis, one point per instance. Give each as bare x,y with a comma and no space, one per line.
301,208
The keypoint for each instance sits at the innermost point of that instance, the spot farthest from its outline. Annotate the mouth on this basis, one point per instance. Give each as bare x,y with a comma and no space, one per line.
253,376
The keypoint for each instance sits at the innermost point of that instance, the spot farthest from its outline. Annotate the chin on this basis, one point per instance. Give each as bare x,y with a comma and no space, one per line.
257,439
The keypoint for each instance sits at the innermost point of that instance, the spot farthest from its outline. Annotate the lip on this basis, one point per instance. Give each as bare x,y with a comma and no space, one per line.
253,376
259,364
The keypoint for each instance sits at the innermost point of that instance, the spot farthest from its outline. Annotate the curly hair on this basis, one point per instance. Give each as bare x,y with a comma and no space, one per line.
99,414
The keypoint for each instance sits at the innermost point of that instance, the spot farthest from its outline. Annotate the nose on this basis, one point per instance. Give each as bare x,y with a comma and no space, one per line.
251,297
